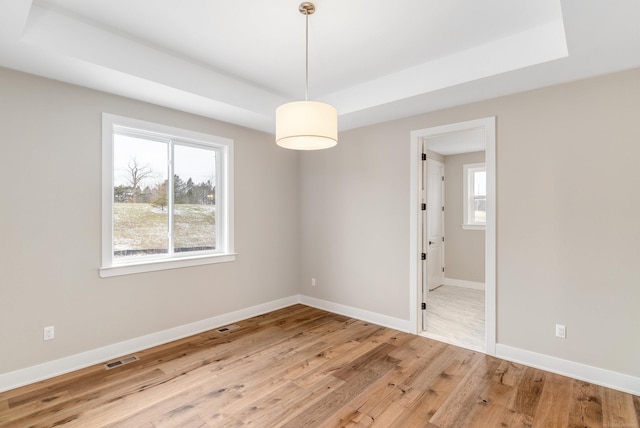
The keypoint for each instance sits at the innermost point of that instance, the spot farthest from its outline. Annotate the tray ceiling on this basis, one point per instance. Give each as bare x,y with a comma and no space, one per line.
379,60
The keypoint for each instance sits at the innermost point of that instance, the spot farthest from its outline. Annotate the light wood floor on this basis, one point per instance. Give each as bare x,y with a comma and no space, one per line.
455,315
303,367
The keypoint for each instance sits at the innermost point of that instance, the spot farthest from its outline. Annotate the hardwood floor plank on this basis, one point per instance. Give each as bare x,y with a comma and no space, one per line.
402,400
438,389
358,376
260,384
618,409
528,392
469,397
223,389
304,367
509,373
553,405
85,396
269,411
367,406
203,380
371,405
434,367
586,405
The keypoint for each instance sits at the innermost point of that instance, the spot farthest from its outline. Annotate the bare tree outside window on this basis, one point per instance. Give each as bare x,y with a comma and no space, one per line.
136,175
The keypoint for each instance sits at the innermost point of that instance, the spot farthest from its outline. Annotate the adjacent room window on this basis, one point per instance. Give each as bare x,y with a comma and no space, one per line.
475,196
167,197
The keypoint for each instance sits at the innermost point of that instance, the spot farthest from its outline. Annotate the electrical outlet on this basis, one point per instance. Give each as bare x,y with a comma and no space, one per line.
313,282
561,331
49,333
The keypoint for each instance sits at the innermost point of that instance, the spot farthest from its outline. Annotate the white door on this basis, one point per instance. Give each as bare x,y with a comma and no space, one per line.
433,229
435,224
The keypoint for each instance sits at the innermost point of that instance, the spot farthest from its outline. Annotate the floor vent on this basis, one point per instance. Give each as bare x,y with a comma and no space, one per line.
121,362
227,328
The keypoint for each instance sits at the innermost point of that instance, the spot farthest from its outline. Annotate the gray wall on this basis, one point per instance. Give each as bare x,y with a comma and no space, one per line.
464,249
567,226
50,233
567,218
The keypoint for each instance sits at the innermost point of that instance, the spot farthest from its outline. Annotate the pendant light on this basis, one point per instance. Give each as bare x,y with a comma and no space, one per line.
306,125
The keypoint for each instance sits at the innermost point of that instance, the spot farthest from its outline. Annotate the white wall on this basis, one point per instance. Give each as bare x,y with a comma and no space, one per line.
567,218
464,248
50,228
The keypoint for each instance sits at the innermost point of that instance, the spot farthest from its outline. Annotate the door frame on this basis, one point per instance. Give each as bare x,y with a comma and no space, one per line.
415,264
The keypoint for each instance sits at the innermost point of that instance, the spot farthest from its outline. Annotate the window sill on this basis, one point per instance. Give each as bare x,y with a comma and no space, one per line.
155,265
474,226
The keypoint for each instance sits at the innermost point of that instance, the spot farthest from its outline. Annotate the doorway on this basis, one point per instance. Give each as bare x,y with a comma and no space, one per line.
454,300
428,265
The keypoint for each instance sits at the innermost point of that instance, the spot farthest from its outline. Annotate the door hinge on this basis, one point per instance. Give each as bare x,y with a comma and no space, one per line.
442,269
443,239
423,207
423,306
442,209
423,256
443,178
424,156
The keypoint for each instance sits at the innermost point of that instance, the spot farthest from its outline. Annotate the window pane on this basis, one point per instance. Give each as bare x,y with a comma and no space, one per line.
480,209
140,215
194,186
480,183
479,198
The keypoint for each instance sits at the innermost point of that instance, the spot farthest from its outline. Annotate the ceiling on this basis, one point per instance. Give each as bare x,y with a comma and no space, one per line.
454,143
375,61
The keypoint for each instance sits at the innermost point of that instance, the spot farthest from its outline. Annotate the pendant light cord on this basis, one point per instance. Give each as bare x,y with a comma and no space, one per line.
306,83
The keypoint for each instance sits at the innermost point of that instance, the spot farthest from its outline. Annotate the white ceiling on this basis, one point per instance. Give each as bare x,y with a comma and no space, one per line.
378,60
453,143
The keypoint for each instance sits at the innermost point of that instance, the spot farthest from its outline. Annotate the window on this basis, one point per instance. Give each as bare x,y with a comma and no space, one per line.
167,197
475,196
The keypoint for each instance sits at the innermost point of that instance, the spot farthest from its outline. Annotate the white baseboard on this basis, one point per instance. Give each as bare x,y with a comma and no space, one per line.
71,363
361,314
463,283
595,375
21,377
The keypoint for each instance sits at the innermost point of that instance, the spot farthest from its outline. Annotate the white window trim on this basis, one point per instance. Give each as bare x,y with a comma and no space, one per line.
225,254
467,223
